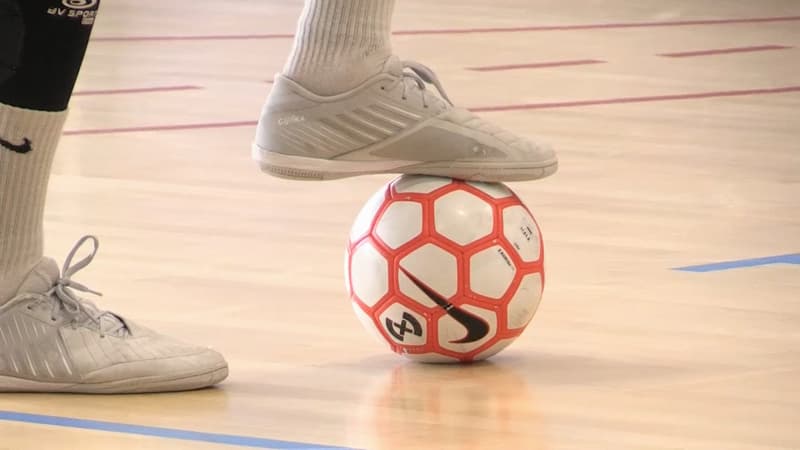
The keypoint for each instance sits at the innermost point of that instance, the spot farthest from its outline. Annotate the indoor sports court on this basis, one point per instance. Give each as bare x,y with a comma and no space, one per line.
670,316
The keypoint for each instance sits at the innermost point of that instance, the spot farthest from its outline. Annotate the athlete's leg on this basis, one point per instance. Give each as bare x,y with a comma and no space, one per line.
61,342
42,54
340,44
344,106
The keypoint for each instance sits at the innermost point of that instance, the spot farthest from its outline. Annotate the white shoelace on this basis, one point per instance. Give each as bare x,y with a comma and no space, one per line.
414,74
421,75
62,298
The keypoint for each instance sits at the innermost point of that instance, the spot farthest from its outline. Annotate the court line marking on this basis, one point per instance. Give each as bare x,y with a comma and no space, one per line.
565,104
189,126
136,90
723,51
650,98
167,433
791,258
574,62
590,26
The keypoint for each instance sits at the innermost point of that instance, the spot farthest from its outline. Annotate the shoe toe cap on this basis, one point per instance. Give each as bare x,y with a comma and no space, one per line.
494,142
154,362
538,151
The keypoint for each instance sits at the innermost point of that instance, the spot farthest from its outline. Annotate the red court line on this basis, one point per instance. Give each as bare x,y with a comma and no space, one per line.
576,62
653,98
722,51
191,126
591,26
136,90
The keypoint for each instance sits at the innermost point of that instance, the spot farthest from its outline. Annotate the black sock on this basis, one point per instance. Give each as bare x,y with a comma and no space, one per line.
11,30
56,33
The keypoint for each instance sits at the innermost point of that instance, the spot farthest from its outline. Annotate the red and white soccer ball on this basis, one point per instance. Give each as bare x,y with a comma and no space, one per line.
445,270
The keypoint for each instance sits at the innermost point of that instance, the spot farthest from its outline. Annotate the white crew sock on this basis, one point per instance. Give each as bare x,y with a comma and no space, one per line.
23,187
340,44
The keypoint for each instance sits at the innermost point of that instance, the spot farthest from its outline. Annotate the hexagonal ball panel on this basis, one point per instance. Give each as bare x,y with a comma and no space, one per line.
433,267
455,336
525,301
491,271
495,190
399,223
404,326
462,217
419,184
368,324
363,222
520,230
369,274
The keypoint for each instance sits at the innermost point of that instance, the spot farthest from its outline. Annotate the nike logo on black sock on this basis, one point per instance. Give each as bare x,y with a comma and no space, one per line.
23,148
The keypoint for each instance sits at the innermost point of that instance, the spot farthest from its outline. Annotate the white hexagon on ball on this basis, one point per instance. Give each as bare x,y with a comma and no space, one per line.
495,190
462,217
369,274
400,223
363,222
520,230
432,267
525,302
491,272
368,323
419,184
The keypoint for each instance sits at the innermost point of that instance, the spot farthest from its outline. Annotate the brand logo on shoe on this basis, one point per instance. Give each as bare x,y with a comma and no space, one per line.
23,148
288,120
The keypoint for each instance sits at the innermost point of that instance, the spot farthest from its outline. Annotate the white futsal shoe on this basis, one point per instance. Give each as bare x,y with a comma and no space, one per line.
389,124
53,341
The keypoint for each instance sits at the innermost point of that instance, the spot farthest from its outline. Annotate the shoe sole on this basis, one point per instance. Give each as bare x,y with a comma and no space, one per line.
302,168
174,383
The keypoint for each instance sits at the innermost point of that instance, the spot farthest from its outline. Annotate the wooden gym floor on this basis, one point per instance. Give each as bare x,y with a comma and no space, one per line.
678,125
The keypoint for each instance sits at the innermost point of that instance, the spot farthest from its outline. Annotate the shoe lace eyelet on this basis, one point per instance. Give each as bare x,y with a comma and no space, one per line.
383,88
53,319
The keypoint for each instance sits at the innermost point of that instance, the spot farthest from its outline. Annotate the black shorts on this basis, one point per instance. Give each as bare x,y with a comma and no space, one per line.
11,32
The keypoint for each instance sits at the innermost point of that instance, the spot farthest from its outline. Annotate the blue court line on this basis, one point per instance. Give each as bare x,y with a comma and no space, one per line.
792,258
168,433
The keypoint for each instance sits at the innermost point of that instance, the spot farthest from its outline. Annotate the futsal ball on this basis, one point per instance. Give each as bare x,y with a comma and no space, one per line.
445,270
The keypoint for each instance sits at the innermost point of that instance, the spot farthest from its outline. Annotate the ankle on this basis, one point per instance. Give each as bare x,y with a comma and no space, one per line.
10,281
332,79
340,43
